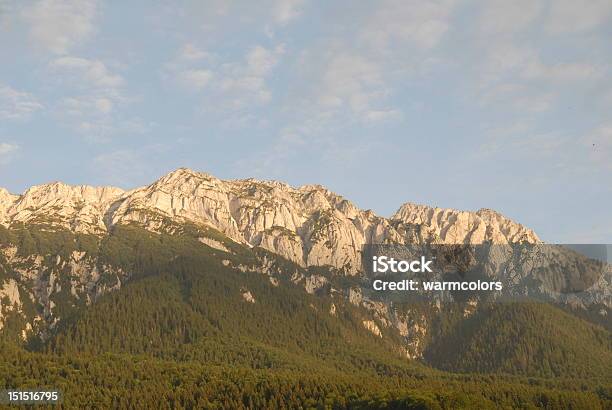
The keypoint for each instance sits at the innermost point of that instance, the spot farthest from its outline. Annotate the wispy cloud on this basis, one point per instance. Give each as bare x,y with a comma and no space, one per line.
574,16
522,78
382,115
501,16
562,72
78,106
17,105
93,93
285,11
195,79
567,153
7,150
351,80
190,52
241,83
90,72
420,24
230,85
60,25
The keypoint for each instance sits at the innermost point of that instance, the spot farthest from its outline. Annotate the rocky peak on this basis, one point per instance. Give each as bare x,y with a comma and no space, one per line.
6,201
80,208
182,195
6,195
183,179
309,225
57,191
454,226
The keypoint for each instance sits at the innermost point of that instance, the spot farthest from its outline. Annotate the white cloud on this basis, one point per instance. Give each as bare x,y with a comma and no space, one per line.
421,24
509,16
350,76
242,87
94,130
352,80
7,11
561,72
382,115
98,89
567,153
503,60
103,105
231,84
6,148
519,77
242,83
533,75
197,79
518,96
261,60
556,151
16,105
534,102
59,25
568,16
190,52
287,10
6,151
86,105
92,72
100,129
92,94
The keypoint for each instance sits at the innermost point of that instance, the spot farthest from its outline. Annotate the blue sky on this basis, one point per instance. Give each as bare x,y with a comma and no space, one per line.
496,104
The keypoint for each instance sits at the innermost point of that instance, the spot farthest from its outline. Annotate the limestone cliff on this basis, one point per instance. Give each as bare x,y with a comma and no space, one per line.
452,226
309,225
79,208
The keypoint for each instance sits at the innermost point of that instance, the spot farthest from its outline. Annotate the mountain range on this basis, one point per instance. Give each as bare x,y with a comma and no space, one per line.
262,275
309,225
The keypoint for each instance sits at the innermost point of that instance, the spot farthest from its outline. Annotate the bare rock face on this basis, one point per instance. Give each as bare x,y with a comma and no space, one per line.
372,327
6,201
247,296
309,225
41,279
9,291
78,208
457,227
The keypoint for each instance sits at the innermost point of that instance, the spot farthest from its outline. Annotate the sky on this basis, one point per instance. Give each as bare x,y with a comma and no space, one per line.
462,104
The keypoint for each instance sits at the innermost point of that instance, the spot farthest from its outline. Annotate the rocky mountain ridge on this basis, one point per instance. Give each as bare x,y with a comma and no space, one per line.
309,225
238,222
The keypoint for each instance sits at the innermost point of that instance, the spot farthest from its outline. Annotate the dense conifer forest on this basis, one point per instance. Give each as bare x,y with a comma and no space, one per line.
179,334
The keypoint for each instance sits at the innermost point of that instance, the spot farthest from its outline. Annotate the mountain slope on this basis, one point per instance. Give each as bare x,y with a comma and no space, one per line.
260,275
183,299
524,338
182,328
